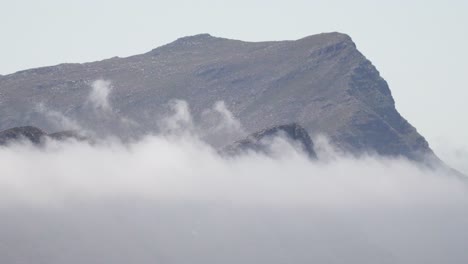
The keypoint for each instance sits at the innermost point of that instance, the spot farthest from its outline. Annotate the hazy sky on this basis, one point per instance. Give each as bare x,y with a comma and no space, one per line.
420,47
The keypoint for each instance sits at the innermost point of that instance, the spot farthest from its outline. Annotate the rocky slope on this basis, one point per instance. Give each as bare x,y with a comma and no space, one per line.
34,135
321,82
259,141
27,133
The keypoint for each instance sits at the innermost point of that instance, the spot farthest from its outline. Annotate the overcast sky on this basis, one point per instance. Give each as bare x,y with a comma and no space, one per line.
420,47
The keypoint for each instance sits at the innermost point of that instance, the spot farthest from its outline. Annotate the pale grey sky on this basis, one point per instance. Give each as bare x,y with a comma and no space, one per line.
420,47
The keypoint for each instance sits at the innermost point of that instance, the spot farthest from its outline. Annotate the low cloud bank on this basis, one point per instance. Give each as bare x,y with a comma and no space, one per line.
183,168
174,199
171,198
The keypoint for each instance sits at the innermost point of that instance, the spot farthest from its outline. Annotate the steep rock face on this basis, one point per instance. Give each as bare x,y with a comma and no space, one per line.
258,141
322,82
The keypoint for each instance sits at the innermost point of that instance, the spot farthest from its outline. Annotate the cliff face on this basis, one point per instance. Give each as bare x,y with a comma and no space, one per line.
321,82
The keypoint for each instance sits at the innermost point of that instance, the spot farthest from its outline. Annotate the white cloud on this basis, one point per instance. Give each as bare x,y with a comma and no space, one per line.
59,120
228,121
218,125
180,119
99,95
175,199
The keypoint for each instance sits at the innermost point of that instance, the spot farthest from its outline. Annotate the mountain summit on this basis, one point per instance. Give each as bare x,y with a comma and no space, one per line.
321,82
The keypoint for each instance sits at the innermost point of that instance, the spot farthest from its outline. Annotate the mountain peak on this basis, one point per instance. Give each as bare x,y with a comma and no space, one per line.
329,38
330,35
197,36
187,42
321,82
194,40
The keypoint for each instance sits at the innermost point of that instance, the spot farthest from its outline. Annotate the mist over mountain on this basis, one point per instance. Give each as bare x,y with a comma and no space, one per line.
209,150
172,198
321,82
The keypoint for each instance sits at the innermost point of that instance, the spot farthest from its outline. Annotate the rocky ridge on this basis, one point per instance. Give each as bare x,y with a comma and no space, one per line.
321,82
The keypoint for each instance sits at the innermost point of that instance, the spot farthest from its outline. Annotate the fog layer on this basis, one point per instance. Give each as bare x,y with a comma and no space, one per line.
172,198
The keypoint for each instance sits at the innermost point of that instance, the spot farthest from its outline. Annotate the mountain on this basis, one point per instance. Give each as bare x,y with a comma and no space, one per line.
258,141
321,82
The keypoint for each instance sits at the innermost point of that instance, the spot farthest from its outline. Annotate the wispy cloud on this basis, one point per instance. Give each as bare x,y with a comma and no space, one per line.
59,121
99,95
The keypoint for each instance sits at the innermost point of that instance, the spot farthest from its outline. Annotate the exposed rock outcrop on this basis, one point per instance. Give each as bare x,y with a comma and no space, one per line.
259,141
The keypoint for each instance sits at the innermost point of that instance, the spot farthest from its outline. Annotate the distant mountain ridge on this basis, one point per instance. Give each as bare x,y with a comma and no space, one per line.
321,82
34,135
256,142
